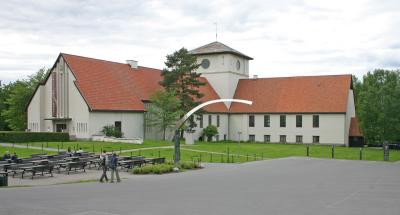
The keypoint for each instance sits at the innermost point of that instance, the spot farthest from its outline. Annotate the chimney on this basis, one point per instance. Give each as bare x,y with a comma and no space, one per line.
132,63
255,76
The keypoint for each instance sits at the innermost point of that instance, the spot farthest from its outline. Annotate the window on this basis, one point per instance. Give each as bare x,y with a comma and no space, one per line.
252,138
118,126
217,120
205,63
283,121
251,120
282,138
299,139
315,121
201,121
217,137
267,138
224,136
267,121
315,139
299,121
209,120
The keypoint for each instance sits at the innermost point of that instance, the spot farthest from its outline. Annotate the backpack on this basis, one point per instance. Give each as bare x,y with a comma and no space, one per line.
110,162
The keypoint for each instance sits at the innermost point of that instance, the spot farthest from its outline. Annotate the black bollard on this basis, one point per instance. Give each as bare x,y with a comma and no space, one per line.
361,153
333,151
308,150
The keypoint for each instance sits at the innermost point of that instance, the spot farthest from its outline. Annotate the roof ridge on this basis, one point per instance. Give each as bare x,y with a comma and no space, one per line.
108,61
299,76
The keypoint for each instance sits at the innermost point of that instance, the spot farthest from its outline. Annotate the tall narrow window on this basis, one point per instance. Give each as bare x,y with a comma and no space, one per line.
299,121
217,120
315,121
299,139
252,138
251,121
210,119
201,121
283,121
282,138
267,138
267,121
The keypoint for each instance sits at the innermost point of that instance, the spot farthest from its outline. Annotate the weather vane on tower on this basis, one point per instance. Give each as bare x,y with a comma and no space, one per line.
216,31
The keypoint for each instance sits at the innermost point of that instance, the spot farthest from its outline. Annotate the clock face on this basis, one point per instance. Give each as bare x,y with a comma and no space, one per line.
237,64
205,63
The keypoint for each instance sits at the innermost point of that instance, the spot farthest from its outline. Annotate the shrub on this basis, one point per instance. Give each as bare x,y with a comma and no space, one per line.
210,131
112,131
21,136
164,168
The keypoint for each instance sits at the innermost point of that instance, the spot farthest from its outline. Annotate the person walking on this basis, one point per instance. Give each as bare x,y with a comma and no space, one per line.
103,164
113,167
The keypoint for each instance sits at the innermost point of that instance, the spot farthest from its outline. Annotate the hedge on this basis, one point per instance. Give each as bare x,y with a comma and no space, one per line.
22,137
163,168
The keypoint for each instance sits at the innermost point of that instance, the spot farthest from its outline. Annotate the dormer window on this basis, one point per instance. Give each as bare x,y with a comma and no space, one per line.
205,63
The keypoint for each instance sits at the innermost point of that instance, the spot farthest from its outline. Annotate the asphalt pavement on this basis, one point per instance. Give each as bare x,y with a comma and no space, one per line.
279,186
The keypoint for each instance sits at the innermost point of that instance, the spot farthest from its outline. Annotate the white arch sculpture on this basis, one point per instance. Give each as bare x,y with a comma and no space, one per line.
191,112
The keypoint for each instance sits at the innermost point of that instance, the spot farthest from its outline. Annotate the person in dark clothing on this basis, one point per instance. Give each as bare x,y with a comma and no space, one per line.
14,157
6,156
103,163
113,166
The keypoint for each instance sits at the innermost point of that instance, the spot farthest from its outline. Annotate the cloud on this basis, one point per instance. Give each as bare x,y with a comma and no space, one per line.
288,37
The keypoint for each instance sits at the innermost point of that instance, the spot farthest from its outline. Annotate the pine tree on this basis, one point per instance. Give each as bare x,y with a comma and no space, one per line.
180,78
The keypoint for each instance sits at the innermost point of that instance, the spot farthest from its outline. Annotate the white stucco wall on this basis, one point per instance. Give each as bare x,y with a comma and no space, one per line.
351,112
132,122
330,131
223,67
35,115
78,111
222,128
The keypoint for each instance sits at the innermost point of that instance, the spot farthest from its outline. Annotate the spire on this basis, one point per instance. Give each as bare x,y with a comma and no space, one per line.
216,31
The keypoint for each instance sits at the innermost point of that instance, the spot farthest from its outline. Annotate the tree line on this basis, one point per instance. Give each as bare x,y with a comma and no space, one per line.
377,99
14,98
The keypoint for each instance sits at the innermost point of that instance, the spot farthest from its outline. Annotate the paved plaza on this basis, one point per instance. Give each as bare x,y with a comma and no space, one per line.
279,186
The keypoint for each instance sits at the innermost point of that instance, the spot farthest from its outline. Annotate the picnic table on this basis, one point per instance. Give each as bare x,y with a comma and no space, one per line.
38,162
69,165
155,160
5,166
48,168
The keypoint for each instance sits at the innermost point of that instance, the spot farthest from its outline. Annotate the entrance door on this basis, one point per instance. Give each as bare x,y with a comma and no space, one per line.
61,127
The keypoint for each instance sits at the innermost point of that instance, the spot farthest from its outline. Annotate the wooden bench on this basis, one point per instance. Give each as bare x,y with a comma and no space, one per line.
42,168
155,160
68,166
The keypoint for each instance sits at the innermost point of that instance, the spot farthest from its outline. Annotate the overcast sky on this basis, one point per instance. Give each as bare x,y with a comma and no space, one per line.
285,38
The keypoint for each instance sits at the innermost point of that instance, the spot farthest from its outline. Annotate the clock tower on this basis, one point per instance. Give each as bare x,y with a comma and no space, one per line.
222,66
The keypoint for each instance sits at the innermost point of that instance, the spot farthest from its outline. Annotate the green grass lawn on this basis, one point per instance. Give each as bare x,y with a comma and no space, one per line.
286,150
22,152
247,151
93,146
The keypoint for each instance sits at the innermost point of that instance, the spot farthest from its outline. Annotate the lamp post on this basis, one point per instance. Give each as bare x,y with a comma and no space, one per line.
177,151
239,133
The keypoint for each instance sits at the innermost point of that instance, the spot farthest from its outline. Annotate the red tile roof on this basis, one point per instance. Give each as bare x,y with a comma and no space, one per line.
354,128
107,85
306,94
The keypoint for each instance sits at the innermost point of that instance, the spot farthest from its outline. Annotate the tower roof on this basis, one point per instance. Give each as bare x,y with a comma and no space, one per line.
217,48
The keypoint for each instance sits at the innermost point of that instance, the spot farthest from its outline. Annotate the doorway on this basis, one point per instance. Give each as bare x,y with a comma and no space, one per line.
61,127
